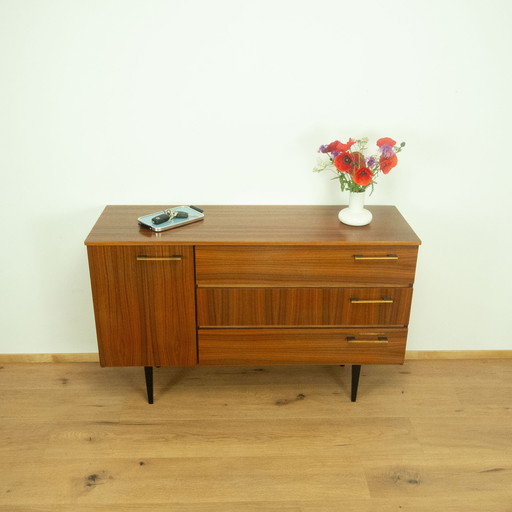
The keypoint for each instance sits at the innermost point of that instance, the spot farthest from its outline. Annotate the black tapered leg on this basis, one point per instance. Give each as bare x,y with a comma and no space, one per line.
148,373
356,371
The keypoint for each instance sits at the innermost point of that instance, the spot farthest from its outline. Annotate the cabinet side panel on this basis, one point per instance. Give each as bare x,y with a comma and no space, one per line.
117,308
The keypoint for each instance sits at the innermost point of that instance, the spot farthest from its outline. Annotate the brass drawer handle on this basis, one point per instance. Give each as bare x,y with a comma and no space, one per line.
360,257
159,258
381,339
384,300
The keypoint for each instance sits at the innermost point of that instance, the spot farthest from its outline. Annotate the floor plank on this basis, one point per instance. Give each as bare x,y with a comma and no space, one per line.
315,437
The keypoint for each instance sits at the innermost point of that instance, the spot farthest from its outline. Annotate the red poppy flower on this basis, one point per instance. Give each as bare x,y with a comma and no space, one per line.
363,176
386,141
347,145
386,164
339,146
349,162
333,146
344,162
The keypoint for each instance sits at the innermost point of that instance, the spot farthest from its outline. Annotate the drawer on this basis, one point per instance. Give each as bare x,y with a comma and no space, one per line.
392,265
301,346
305,307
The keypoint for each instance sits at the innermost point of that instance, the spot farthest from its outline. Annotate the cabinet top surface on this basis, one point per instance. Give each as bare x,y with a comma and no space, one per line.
265,224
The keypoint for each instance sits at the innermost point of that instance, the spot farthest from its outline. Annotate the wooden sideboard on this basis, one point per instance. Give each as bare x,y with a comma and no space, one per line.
252,285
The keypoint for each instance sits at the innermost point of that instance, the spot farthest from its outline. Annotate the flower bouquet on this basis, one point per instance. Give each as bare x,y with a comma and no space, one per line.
356,171
353,169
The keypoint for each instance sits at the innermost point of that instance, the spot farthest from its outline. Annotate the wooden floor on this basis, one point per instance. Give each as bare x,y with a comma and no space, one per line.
426,436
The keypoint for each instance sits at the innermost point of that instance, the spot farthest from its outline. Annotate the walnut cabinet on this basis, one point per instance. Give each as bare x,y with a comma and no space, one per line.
252,285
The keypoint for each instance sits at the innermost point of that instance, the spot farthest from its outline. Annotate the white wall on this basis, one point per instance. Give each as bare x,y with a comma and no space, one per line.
226,101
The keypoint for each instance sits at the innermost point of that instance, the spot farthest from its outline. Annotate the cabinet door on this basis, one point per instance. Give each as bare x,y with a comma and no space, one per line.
144,304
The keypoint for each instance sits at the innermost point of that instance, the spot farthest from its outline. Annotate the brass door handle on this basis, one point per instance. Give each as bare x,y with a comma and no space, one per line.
360,257
380,339
176,257
384,300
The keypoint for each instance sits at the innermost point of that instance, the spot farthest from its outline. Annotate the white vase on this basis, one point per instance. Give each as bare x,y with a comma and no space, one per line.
355,214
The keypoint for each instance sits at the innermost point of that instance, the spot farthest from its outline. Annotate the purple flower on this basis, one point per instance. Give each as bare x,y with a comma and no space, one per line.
371,161
322,149
387,151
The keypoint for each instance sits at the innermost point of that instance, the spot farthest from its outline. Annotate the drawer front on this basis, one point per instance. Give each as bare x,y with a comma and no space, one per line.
294,307
301,346
305,266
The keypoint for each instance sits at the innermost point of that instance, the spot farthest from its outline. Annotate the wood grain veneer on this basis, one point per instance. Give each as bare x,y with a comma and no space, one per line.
301,346
292,307
266,225
145,310
250,265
